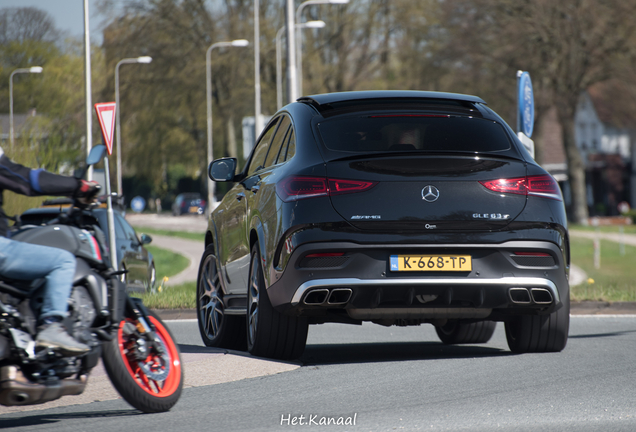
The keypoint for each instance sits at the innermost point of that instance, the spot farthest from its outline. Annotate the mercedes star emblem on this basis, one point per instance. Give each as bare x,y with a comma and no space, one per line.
430,193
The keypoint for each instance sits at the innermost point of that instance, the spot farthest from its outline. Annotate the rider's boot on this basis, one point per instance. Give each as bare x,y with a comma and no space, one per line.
53,335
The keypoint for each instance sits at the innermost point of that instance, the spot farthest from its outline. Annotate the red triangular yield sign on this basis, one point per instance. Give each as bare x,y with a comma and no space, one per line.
106,116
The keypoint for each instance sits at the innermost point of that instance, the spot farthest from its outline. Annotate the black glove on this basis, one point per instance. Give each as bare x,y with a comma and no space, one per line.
87,191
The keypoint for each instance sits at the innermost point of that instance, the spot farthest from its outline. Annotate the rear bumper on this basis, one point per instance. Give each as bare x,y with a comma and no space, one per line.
479,286
362,286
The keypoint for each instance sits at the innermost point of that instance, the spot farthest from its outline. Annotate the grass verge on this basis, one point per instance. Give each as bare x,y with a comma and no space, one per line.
614,281
172,297
167,263
627,229
181,296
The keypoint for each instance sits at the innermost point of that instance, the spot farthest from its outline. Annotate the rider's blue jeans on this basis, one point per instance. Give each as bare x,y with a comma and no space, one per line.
24,261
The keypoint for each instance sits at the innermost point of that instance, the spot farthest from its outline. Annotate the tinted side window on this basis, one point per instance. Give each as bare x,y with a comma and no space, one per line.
128,230
291,146
119,230
283,149
277,142
258,159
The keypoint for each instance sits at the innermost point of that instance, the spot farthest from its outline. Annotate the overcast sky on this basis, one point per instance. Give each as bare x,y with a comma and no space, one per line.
67,14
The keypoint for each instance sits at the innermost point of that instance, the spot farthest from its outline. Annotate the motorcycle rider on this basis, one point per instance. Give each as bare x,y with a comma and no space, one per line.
24,261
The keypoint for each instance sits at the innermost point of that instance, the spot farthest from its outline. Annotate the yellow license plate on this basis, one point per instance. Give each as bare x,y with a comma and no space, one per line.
194,209
431,263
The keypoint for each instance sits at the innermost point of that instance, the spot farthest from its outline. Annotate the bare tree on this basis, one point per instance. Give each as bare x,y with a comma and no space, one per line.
168,96
27,23
567,46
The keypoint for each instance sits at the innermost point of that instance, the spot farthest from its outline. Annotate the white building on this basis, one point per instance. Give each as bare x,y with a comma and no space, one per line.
605,133
594,135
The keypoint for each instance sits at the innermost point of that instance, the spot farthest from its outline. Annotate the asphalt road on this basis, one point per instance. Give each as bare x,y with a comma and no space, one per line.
394,379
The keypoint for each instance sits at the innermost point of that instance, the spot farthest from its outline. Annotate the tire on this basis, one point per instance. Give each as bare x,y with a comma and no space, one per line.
216,328
539,333
270,333
140,390
455,332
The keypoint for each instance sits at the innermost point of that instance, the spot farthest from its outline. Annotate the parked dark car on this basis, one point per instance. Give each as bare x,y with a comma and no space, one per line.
188,203
393,207
131,254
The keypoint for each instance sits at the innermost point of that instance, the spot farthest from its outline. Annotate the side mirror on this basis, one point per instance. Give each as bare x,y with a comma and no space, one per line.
222,170
145,239
97,154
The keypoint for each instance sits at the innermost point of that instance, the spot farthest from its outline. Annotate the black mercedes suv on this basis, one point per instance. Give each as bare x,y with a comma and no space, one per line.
394,207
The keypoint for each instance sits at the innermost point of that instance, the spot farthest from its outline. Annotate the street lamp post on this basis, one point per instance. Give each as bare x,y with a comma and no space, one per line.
258,119
208,91
279,57
279,71
299,42
88,108
292,88
34,69
142,59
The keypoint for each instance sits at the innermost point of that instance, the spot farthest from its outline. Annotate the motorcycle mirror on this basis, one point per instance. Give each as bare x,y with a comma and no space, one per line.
97,154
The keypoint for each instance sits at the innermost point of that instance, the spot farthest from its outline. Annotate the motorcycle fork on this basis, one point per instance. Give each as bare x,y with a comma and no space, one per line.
137,310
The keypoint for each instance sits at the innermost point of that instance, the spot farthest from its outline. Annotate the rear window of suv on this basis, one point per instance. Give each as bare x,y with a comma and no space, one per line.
413,133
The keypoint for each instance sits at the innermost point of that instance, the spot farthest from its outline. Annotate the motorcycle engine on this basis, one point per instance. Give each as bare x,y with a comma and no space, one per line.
81,310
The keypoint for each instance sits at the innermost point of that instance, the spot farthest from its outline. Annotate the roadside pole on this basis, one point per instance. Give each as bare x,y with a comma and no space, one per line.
292,86
106,116
87,80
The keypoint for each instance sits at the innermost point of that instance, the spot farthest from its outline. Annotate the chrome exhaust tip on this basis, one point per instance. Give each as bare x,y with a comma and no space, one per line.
519,295
316,297
339,296
541,296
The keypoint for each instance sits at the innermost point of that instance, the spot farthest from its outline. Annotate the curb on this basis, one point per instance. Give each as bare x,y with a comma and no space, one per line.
176,314
576,308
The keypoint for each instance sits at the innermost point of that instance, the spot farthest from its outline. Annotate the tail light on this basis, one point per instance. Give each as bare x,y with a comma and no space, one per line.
540,185
300,187
337,187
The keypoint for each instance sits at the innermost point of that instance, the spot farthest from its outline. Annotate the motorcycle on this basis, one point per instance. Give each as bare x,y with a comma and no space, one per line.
137,350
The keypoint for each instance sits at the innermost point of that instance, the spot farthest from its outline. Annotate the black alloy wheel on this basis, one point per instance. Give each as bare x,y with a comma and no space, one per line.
539,333
217,329
455,332
270,333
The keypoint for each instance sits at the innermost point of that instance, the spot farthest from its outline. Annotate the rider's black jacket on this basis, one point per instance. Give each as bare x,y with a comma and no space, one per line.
31,182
